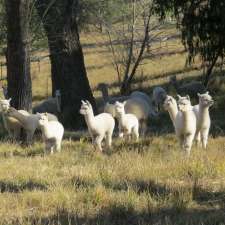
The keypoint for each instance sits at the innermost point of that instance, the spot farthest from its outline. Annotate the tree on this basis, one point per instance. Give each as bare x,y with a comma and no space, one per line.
202,23
130,34
67,63
17,53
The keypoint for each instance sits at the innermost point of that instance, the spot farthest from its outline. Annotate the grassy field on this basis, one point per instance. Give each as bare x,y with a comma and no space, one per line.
149,182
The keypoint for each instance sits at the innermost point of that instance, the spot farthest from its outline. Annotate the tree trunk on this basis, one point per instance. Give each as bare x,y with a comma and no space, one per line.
68,69
17,55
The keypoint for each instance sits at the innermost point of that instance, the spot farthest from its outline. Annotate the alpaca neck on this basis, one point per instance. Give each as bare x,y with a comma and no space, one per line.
186,117
105,93
19,116
58,102
173,113
203,112
89,118
4,120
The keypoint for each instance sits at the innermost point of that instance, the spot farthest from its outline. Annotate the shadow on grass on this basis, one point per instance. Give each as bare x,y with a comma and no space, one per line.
122,215
6,186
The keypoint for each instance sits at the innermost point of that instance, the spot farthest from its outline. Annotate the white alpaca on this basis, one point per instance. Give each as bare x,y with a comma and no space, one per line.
203,119
52,133
170,105
158,95
184,120
99,127
144,97
136,106
128,123
11,124
185,123
28,122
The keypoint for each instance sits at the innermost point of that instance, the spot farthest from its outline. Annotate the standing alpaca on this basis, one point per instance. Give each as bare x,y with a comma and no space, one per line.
52,133
203,119
185,123
11,124
158,95
128,123
99,127
170,105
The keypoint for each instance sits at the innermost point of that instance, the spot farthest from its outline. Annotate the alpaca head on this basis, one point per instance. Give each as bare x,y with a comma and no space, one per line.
184,103
119,107
4,105
43,119
169,103
85,108
173,79
205,99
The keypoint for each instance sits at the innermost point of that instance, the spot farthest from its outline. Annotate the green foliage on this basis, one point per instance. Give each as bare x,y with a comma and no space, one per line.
202,24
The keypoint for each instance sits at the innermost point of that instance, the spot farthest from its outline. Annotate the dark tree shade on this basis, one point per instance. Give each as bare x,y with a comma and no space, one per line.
202,23
17,54
67,62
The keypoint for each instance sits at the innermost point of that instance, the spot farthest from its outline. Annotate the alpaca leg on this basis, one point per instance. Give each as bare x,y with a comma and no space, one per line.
188,143
108,140
198,139
98,142
30,135
16,134
120,132
204,137
181,141
58,146
135,133
143,126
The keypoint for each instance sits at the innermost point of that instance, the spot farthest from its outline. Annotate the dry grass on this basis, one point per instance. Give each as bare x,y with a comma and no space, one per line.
149,182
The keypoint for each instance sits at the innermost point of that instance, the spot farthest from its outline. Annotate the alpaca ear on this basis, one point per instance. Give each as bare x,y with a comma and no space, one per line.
83,102
124,103
199,95
187,96
9,100
88,102
207,93
179,97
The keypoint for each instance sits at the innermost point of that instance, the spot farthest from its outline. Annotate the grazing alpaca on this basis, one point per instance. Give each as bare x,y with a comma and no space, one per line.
99,127
203,119
11,124
128,123
28,122
52,133
51,105
185,123
158,95
103,87
144,97
192,88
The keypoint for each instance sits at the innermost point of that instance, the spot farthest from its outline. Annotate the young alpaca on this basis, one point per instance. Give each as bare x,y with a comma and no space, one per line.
11,124
203,119
185,123
52,133
128,123
99,127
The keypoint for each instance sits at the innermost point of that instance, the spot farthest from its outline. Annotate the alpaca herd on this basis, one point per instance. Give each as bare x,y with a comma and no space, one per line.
132,112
